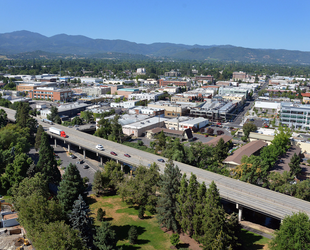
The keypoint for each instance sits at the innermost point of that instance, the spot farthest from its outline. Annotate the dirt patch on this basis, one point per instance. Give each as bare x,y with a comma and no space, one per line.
258,227
185,241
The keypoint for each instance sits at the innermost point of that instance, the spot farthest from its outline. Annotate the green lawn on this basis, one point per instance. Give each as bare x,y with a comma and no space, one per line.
252,241
122,217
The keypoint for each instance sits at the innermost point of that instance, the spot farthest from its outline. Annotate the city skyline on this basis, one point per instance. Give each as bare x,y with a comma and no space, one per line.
263,24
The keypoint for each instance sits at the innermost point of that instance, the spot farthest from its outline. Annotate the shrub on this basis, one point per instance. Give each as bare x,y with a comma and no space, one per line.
141,212
100,214
174,239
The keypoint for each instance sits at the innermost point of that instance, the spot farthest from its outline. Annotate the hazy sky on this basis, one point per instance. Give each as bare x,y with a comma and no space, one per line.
275,24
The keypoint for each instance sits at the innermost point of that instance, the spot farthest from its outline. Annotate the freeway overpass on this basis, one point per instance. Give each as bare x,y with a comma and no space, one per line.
245,195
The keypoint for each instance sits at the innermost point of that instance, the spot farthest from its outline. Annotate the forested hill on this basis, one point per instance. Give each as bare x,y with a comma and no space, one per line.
18,44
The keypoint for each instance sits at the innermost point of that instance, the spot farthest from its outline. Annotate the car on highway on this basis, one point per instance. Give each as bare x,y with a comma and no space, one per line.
70,127
85,166
99,147
127,155
76,126
72,156
161,160
113,153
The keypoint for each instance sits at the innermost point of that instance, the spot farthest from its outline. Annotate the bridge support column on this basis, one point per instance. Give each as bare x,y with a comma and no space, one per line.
84,153
69,148
101,161
55,142
240,210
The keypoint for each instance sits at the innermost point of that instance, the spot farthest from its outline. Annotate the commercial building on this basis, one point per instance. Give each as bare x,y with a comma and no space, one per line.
68,110
171,110
164,83
126,105
295,115
145,96
140,128
267,105
239,75
29,86
147,111
233,90
306,97
51,93
207,78
215,110
172,73
185,122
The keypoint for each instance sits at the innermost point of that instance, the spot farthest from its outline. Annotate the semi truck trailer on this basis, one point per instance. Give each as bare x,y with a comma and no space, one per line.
58,132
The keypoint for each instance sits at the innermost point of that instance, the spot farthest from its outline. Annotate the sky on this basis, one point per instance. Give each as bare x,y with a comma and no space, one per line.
272,24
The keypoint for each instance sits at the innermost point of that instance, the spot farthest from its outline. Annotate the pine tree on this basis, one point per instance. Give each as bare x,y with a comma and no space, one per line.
47,164
70,187
98,183
214,218
181,198
105,238
80,220
189,205
199,210
132,235
167,207
37,143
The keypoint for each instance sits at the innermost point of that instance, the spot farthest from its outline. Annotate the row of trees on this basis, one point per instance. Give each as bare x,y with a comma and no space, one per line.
153,68
187,206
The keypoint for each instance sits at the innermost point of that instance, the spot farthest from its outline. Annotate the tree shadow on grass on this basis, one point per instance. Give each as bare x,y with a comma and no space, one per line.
183,245
108,219
248,241
129,247
122,233
90,200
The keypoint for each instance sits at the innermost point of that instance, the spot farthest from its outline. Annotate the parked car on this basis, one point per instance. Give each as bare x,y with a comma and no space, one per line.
72,156
85,166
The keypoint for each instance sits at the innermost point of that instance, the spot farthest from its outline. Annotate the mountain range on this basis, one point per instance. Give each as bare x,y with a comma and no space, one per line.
21,44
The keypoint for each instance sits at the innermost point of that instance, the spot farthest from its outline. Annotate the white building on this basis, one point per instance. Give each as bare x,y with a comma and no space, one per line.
127,105
145,96
139,128
268,105
141,71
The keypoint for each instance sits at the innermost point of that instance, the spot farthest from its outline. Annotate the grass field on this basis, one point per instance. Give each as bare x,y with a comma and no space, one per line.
122,217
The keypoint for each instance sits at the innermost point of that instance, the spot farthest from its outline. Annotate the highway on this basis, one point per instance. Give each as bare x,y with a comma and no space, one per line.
246,195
